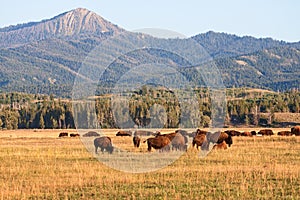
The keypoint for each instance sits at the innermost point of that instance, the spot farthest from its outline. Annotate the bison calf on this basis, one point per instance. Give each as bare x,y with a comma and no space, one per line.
136,141
104,143
222,145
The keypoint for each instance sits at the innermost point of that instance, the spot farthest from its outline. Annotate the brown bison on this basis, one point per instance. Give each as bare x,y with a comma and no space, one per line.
284,133
247,134
199,132
136,141
104,143
91,134
222,145
123,133
63,134
233,132
295,130
159,142
74,135
267,132
178,141
200,140
219,137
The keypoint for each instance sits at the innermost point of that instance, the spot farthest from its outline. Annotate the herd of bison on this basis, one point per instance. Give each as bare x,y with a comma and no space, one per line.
178,140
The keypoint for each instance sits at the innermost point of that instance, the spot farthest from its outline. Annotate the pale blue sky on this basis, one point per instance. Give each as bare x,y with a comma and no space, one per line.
279,19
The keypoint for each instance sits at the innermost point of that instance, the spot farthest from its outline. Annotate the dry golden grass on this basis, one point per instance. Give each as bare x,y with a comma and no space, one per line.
46,167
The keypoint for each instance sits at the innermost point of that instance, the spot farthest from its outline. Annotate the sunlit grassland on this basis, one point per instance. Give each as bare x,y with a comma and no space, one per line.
62,168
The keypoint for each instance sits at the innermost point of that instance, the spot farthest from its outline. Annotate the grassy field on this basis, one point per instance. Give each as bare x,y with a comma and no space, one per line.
39,165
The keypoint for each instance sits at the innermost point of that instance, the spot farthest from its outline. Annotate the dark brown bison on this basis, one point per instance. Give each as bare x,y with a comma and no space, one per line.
63,134
284,133
295,130
246,133
136,141
74,135
222,145
91,134
253,133
159,142
104,143
233,132
200,140
267,132
123,133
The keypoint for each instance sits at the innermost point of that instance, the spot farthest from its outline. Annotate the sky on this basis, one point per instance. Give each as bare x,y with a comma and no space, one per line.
278,19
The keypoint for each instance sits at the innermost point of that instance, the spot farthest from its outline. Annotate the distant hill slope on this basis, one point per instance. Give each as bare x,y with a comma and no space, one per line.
220,45
44,57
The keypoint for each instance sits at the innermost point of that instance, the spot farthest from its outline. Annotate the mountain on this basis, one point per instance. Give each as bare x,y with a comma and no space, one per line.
75,23
45,56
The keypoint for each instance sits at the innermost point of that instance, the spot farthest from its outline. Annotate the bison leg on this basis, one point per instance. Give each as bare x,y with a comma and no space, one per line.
149,147
96,147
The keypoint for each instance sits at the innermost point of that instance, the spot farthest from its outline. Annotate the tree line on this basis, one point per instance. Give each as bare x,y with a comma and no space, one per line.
148,107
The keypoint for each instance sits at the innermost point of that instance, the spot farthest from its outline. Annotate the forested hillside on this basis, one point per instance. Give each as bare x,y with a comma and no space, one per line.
245,107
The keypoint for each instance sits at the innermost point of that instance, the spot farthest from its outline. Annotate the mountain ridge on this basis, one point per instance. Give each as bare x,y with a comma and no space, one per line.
36,61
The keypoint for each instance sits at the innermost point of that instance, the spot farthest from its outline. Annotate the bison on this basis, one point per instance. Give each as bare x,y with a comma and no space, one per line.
233,132
136,141
123,133
247,134
91,134
222,145
159,142
74,135
199,132
178,141
63,134
295,130
253,133
268,132
219,137
104,143
284,133
200,140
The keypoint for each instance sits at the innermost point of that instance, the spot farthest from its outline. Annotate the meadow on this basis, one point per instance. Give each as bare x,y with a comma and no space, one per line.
39,165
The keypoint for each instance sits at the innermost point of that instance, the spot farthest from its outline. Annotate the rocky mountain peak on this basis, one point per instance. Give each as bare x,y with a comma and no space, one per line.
72,23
